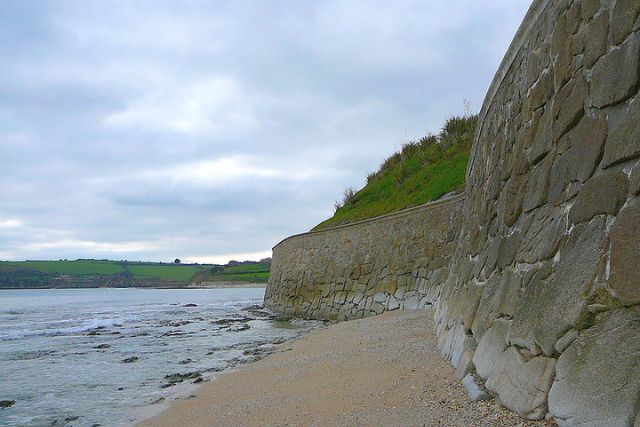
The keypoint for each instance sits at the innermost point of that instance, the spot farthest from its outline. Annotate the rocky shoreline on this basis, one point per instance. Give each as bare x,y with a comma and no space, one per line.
151,349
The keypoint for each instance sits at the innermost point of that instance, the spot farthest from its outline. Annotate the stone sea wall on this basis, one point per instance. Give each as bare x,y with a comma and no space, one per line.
542,300
394,261
535,275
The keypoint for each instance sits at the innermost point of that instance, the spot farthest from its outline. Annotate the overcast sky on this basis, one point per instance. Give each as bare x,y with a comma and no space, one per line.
211,130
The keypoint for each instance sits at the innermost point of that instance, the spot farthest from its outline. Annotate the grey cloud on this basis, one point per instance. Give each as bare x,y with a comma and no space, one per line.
115,115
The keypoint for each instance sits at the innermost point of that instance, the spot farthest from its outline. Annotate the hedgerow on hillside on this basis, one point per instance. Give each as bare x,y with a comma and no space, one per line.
420,172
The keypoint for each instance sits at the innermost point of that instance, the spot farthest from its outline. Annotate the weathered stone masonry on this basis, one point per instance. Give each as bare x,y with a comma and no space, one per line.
357,270
542,298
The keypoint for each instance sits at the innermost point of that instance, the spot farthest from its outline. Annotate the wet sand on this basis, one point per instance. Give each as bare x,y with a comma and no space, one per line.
379,371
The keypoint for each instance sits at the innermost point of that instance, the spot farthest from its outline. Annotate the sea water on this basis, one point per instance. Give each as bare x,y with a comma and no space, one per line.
89,357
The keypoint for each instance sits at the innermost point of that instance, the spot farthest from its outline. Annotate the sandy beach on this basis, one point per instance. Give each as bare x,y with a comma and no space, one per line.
378,371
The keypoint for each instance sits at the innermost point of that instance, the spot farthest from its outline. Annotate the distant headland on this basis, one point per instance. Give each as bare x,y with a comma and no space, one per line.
92,273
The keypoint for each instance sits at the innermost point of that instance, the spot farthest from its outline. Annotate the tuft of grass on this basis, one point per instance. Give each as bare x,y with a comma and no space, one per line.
421,171
349,197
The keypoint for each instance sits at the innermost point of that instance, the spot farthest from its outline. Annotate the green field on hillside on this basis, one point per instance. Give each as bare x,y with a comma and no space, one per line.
247,273
420,172
160,271
76,268
95,273
171,272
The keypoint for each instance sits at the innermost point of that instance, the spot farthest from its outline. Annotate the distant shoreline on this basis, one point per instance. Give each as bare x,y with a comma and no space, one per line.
204,285
88,273
219,285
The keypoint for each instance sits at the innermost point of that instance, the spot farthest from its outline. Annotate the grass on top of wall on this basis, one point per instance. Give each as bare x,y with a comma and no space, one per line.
420,172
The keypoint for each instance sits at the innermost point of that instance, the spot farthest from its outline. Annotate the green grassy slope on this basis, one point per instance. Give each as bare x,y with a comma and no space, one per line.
77,267
420,172
171,272
250,273
138,270
92,273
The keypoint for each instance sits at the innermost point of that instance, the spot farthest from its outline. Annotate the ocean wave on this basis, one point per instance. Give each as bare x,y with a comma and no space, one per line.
89,325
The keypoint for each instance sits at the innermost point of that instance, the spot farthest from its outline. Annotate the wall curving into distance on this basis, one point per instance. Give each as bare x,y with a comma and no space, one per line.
535,272
542,300
361,269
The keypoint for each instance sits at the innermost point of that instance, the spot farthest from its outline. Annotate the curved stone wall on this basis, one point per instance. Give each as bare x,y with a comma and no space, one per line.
389,262
542,300
535,275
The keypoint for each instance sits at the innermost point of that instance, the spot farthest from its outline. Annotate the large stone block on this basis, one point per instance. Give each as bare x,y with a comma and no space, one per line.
624,136
585,145
540,139
559,34
625,16
462,343
499,298
615,75
474,390
538,185
543,235
465,364
541,91
563,67
513,199
559,178
521,385
537,61
573,17
507,249
624,278
588,8
490,347
579,153
549,308
602,194
577,43
598,377
568,105
596,37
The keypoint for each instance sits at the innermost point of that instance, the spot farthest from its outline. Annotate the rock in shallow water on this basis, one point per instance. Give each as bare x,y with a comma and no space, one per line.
231,320
7,403
178,378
